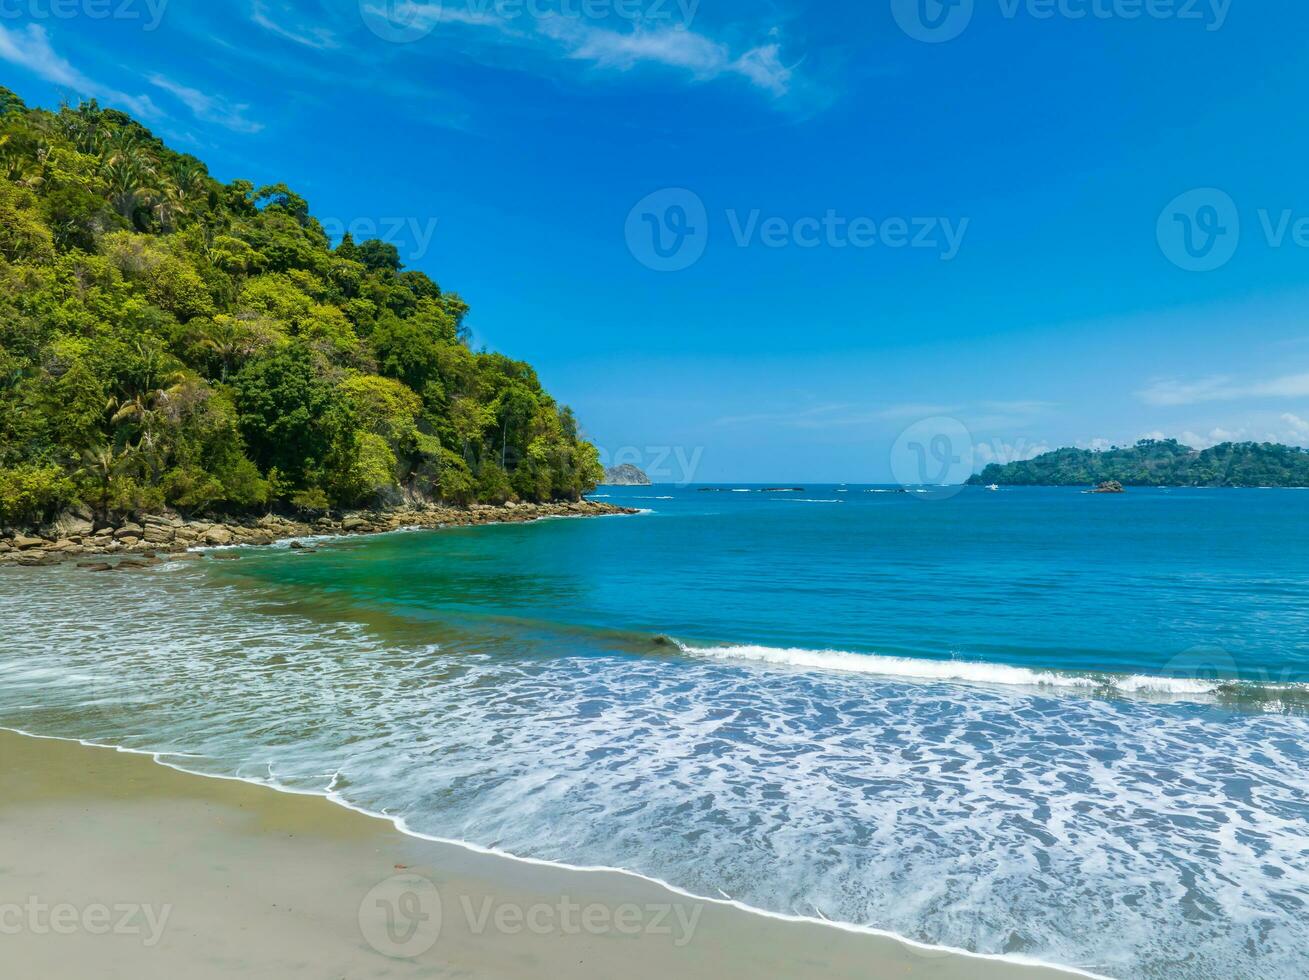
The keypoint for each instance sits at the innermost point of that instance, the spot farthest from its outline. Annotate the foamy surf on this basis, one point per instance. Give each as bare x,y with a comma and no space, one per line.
976,672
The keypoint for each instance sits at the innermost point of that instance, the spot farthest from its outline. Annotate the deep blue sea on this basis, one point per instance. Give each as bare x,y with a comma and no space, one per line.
1033,721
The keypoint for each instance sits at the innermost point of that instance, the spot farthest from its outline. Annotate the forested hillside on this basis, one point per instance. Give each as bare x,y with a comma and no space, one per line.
1154,463
169,341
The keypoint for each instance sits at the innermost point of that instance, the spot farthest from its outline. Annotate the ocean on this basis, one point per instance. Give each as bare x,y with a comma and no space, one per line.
1030,722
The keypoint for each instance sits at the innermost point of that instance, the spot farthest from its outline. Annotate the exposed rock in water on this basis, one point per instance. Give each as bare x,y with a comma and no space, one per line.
626,475
1109,486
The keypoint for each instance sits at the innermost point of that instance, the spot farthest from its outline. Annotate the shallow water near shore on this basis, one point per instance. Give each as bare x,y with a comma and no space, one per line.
1031,722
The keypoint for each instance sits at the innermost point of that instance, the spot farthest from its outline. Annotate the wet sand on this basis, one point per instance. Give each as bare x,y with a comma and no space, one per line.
113,866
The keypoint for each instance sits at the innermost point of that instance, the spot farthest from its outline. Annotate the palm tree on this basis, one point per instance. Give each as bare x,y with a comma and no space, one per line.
103,465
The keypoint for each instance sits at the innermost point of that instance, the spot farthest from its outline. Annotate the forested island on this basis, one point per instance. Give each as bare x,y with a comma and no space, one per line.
170,342
1159,463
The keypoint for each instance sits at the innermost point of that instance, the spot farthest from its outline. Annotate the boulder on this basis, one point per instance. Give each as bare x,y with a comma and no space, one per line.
24,543
72,526
159,534
129,530
33,558
218,535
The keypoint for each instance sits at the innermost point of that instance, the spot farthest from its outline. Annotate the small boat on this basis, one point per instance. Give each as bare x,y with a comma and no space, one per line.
994,487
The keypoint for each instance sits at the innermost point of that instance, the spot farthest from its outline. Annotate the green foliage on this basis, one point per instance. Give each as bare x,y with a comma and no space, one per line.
169,341
1155,463
32,494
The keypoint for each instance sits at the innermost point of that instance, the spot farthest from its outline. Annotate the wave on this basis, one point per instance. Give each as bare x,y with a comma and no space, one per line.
978,672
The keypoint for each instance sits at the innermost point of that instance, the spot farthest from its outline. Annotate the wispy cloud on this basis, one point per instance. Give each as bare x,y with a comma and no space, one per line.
210,108
1218,389
672,46
1288,429
290,28
986,452
30,48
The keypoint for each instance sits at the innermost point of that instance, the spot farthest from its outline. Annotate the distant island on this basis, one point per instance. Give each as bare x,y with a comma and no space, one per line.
626,475
1158,463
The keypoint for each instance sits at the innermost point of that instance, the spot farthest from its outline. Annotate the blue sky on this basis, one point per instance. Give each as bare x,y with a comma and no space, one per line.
760,240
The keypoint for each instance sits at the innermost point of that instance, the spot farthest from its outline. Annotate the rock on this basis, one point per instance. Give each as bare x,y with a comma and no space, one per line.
1109,486
65,545
129,531
96,566
23,543
626,475
352,525
71,526
297,545
225,556
129,564
32,559
126,539
159,534
218,535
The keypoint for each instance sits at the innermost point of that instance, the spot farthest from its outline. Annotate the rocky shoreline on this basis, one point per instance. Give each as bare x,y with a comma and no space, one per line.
154,538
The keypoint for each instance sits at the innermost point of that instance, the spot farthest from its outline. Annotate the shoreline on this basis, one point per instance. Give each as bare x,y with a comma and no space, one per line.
719,934
76,539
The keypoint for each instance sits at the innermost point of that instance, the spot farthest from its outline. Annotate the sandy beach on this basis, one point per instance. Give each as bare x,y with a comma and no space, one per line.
115,866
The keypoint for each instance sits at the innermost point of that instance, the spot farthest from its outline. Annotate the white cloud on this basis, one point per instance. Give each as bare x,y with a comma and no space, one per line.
210,108
30,48
318,38
763,66
1174,392
671,46
998,451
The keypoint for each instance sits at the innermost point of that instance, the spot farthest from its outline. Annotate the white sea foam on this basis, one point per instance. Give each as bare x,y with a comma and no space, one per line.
983,815
961,670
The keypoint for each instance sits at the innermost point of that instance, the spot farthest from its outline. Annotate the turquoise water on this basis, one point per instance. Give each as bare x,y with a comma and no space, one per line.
1031,722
